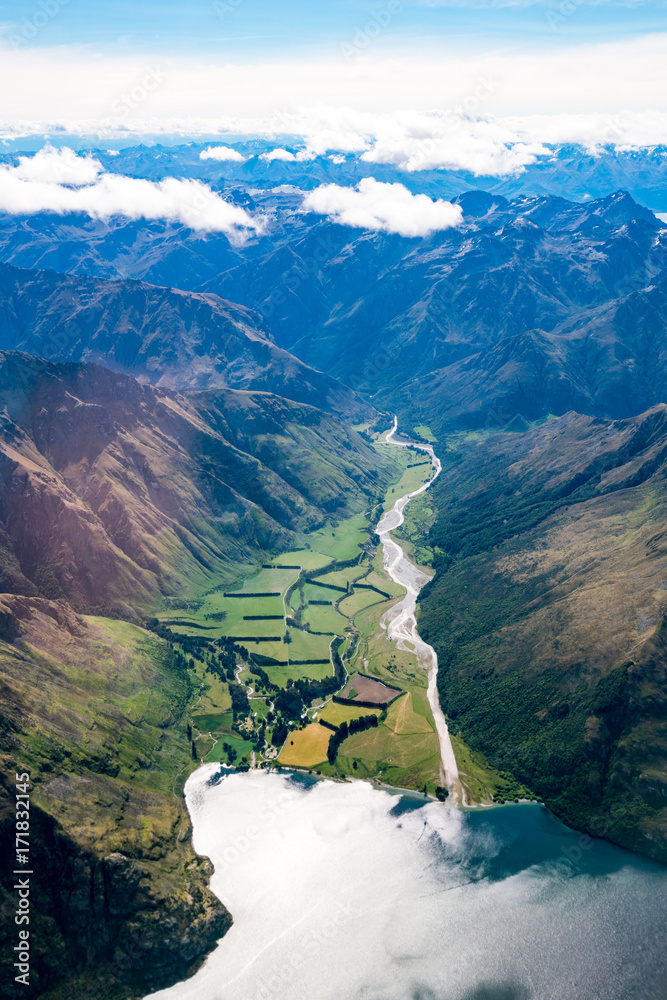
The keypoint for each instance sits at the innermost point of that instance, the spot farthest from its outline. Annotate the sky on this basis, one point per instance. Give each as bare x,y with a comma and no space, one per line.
232,29
67,60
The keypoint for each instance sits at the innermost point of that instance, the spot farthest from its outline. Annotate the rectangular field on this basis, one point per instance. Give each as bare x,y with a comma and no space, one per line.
307,647
325,619
351,606
312,592
306,747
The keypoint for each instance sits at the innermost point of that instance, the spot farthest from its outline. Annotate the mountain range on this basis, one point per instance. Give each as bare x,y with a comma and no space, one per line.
161,335
176,407
530,307
113,492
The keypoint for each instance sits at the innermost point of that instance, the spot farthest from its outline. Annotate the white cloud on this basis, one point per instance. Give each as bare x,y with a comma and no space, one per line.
387,207
221,153
283,155
65,183
59,166
482,147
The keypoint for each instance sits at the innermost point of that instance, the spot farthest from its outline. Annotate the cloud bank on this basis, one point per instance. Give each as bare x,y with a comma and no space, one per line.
388,208
560,75
62,182
472,141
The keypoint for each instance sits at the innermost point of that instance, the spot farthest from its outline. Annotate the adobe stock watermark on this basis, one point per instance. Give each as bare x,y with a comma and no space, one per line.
366,34
427,149
324,251
557,15
281,982
225,7
240,844
132,99
32,24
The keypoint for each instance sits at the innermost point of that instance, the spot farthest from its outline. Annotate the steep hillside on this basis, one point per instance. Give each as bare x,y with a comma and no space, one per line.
548,613
93,711
163,336
113,492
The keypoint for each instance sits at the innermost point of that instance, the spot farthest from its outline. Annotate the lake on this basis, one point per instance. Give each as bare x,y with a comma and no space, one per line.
348,891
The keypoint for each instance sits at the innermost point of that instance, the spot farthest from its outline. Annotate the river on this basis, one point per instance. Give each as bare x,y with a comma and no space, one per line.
344,891
400,621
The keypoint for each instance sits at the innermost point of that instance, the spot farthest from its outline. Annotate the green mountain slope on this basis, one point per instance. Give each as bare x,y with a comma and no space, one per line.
548,613
94,710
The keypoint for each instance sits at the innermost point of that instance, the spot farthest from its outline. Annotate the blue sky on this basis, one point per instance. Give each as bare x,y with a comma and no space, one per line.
64,60
275,28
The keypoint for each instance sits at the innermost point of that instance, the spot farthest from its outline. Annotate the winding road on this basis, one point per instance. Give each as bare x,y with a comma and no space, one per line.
400,622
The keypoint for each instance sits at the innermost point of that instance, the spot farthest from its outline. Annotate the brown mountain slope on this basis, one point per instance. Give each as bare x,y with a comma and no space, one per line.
112,492
548,613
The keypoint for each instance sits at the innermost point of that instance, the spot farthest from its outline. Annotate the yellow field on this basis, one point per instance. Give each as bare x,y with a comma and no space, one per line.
335,714
306,747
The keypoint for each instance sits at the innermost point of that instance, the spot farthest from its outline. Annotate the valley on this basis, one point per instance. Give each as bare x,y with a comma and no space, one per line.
306,623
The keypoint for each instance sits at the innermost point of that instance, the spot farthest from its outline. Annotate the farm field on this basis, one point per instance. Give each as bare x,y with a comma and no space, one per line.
341,542
305,646
306,747
243,748
342,577
335,713
352,605
403,749
313,592
365,689
325,619
412,478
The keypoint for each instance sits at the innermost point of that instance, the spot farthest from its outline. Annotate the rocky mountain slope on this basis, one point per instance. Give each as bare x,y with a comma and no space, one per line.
548,614
160,335
532,306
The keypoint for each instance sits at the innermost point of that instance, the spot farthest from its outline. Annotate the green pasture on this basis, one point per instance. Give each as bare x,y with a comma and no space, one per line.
313,593
325,619
305,646
360,599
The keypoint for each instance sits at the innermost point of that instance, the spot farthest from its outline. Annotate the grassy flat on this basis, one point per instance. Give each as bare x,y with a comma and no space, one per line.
325,619
341,542
312,592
